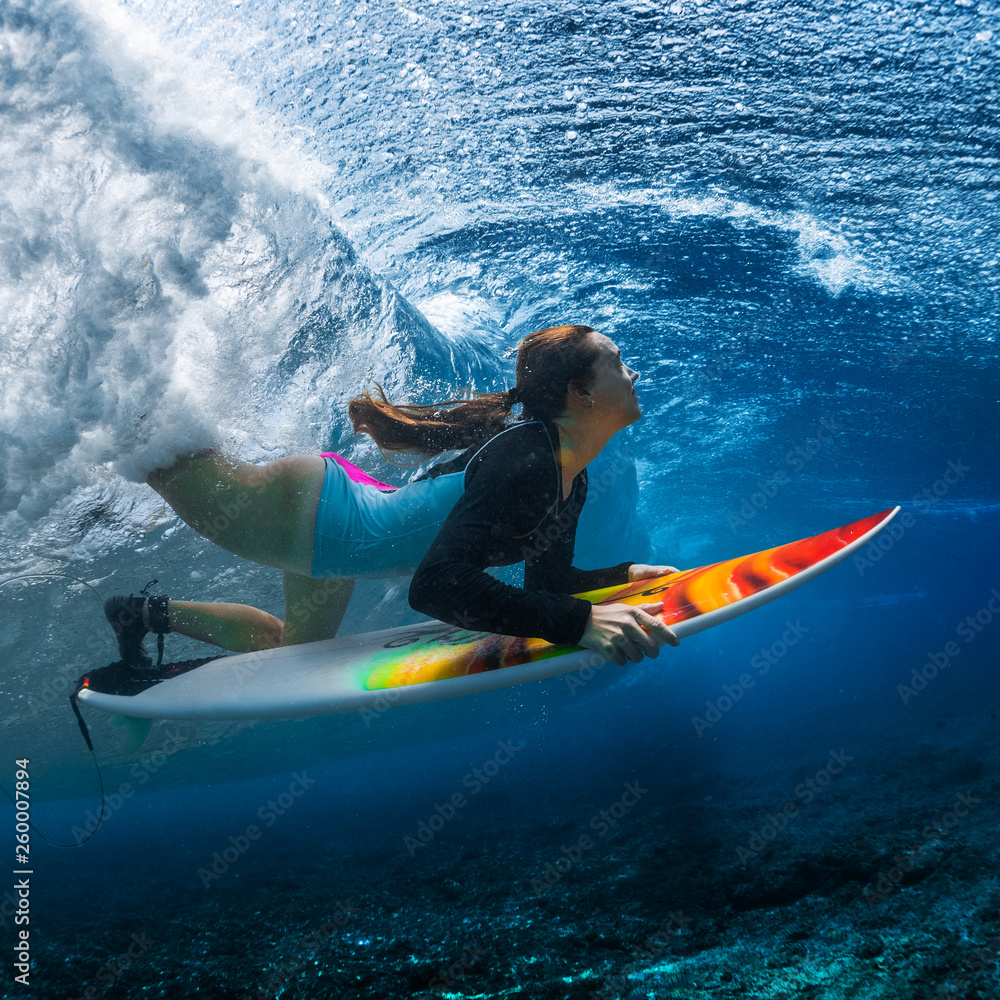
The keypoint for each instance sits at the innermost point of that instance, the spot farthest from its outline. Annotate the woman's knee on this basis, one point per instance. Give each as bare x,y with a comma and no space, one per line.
314,608
273,634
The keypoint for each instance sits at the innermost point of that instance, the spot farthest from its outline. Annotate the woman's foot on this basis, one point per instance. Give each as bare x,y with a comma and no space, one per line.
130,619
125,615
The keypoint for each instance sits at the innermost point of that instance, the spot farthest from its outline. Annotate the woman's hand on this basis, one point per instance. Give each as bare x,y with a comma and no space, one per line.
623,632
639,571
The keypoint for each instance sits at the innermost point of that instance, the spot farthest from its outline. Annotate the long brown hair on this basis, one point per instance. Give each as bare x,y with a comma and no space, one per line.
549,362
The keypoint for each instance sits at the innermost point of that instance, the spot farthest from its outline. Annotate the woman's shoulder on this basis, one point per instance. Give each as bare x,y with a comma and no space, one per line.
525,448
522,437
523,442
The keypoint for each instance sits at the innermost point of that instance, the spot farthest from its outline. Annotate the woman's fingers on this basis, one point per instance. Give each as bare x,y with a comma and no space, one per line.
640,571
634,649
630,653
657,626
626,633
645,634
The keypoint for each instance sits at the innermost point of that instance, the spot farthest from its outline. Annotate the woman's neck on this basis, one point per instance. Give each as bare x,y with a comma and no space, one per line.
580,442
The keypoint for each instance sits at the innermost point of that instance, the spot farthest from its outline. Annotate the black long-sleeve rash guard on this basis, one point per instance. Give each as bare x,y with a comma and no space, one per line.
511,511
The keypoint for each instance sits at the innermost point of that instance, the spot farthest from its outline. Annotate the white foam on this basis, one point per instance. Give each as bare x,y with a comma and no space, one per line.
100,248
827,256
162,252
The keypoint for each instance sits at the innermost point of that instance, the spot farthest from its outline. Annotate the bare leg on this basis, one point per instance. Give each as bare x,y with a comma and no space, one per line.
236,627
264,513
314,609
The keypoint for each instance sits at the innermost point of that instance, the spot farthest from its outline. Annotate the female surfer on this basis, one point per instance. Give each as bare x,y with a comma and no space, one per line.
516,498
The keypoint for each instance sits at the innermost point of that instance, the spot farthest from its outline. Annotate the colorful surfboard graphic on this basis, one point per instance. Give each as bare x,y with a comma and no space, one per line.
441,652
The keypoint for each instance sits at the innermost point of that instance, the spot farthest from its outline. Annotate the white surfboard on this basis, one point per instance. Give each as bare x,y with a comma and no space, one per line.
433,661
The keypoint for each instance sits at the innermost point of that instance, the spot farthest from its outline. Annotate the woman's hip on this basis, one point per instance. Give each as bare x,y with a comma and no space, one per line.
361,531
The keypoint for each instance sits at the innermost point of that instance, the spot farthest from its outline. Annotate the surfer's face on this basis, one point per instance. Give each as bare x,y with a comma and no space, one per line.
613,388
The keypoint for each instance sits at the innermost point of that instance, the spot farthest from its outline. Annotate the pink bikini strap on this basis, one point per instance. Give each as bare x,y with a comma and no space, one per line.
354,473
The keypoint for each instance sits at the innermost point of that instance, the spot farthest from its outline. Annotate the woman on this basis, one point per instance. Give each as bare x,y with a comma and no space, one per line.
515,498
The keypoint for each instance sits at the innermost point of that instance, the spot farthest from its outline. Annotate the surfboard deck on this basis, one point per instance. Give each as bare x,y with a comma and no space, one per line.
431,661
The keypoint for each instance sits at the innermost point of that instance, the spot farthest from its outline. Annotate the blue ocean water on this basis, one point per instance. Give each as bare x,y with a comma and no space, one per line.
219,221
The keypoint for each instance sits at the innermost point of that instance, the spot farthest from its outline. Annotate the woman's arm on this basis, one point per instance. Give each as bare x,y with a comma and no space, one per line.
491,525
